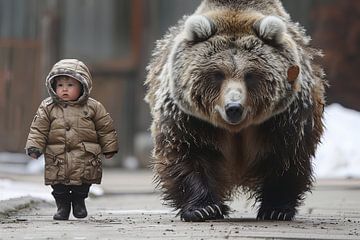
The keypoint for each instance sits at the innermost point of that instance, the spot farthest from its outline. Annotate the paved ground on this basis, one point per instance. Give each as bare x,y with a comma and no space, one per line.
131,209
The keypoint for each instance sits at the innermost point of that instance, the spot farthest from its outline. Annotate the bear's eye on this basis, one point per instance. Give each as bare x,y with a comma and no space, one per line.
217,76
249,76
252,78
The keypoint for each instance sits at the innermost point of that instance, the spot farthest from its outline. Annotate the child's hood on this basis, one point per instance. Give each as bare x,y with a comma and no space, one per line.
72,68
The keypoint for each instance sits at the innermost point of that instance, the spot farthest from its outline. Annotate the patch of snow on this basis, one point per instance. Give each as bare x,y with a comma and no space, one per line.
339,154
12,189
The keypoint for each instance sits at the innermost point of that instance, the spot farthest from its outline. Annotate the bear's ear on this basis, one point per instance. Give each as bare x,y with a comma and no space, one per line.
198,28
270,28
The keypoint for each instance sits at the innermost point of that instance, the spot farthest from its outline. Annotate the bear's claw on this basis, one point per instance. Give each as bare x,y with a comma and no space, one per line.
276,214
209,212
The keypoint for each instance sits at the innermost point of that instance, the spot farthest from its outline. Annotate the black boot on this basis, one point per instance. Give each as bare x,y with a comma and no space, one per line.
63,209
78,195
79,208
62,197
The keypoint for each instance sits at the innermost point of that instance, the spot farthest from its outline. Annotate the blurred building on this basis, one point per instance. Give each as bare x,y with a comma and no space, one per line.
116,37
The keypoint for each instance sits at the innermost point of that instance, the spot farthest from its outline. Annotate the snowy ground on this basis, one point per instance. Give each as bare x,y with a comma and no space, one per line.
13,189
339,154
337,157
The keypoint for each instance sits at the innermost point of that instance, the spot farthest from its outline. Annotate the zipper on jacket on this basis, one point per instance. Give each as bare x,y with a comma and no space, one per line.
67,180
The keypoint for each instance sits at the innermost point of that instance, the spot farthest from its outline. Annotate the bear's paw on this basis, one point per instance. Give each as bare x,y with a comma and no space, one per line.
276,213
201,214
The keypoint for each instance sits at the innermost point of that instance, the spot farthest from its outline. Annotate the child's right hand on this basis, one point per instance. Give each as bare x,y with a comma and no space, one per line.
34,152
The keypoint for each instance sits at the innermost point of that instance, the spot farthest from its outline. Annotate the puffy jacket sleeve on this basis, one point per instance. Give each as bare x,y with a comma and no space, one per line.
39,128
105,130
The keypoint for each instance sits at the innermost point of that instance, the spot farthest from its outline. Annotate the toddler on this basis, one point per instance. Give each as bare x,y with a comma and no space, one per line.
71,130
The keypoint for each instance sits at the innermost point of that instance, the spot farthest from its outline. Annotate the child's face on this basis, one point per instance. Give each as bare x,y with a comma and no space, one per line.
67,88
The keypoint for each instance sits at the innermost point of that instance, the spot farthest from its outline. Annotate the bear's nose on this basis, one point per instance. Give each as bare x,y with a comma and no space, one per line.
234,112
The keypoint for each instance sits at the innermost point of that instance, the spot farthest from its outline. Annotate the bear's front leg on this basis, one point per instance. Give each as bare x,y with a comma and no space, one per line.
281,194
193,182
201,198
202,191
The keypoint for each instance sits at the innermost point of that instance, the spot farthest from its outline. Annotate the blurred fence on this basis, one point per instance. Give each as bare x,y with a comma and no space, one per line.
19,89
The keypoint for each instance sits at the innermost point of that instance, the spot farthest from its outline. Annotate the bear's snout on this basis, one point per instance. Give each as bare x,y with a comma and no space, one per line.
234,112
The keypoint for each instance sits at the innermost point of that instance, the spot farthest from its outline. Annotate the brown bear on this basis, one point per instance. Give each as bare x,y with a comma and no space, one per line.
237,104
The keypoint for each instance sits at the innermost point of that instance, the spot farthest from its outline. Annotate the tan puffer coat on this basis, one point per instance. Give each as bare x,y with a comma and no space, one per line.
72,135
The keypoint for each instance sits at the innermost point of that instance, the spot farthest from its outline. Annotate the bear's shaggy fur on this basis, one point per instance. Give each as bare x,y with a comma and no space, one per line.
237,103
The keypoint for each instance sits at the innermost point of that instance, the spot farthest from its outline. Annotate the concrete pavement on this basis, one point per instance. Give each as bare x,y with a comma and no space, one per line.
131,209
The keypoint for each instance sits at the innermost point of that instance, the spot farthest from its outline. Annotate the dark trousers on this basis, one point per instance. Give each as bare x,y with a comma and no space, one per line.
62,191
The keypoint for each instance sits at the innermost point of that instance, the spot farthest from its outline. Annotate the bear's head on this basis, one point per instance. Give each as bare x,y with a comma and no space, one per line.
233,69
